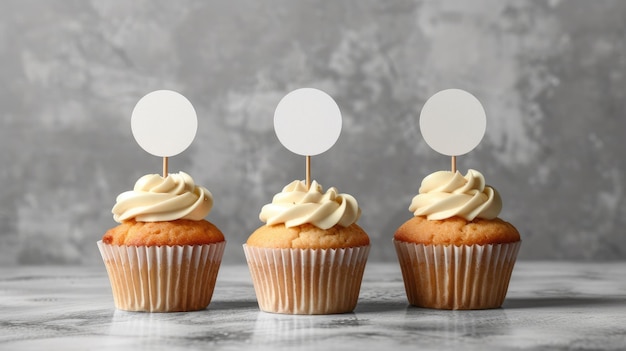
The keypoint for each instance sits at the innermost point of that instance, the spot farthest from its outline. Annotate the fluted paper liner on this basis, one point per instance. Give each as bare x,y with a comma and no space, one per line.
307,281
162,278
453,277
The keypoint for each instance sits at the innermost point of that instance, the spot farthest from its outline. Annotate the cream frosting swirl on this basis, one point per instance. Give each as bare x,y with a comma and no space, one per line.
297,205
445,194
158,199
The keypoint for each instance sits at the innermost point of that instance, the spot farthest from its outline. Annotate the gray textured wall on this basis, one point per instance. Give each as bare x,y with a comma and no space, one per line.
551,75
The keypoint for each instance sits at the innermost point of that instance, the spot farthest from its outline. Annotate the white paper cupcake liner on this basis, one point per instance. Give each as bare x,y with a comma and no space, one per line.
162,278
307,281
456,277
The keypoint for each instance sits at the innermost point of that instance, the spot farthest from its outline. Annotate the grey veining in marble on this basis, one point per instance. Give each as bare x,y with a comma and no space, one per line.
550,306
551,74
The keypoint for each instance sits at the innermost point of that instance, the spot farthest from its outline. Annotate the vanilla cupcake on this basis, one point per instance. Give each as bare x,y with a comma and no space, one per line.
455,253
310,255
163,256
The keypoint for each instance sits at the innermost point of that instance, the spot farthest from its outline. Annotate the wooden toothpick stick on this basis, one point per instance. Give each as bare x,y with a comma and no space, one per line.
164,167
308,172
453,164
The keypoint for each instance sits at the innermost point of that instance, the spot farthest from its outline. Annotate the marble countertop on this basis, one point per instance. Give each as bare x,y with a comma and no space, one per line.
550,305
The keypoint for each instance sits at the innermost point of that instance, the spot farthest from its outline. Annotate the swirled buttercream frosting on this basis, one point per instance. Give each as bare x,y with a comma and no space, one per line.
158,199
445,194
297,205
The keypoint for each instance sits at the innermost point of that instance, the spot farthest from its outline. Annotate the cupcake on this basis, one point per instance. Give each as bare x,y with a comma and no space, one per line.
163,256
455,253
310,255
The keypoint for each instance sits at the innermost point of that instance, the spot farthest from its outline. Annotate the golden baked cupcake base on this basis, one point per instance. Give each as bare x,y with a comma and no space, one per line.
456,231
456,277
162,278
167,233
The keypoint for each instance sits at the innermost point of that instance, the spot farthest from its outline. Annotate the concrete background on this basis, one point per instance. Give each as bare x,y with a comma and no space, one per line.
551,75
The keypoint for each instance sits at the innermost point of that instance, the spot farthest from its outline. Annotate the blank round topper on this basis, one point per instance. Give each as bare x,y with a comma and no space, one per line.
453,122
164,123
307,121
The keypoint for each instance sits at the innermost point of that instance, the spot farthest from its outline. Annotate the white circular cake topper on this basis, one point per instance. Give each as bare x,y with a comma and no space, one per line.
453,122
164,123
307,121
